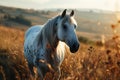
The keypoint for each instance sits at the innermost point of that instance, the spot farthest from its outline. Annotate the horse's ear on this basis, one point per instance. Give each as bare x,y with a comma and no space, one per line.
72,13
63,13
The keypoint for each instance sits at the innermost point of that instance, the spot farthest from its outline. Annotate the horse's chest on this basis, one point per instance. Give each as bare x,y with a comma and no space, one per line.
48,56
55,58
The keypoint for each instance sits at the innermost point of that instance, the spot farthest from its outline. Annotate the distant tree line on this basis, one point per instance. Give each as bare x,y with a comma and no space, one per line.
85,40
19,19
45,12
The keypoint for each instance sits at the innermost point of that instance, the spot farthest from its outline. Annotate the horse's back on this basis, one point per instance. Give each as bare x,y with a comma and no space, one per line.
33,30
31,35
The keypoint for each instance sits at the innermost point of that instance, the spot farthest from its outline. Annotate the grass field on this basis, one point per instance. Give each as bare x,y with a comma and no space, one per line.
91,62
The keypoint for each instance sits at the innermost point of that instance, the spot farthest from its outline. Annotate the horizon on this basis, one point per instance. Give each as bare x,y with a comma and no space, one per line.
82,9
105,5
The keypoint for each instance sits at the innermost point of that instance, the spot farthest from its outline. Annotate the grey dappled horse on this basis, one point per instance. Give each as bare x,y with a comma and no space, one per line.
44,46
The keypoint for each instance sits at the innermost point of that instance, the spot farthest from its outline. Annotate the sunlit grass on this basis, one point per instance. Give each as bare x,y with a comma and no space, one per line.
91,62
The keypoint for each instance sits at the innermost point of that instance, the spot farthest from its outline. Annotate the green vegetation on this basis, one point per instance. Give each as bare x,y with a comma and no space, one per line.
19,19
85,40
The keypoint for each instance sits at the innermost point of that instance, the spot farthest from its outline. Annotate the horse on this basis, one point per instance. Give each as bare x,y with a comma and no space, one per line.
44,45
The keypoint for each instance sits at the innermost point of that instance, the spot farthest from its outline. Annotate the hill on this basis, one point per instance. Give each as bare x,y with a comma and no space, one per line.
92,23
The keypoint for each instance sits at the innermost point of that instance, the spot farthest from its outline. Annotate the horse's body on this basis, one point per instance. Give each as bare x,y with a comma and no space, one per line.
44,48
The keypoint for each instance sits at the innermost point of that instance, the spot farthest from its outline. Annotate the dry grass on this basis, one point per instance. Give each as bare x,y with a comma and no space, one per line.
89,63
12,62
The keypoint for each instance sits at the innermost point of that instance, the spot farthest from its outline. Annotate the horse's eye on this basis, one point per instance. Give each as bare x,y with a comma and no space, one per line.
64,27
75,26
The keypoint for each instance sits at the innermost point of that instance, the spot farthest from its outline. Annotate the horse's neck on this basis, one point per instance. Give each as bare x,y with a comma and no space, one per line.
55,49
44,42
48,33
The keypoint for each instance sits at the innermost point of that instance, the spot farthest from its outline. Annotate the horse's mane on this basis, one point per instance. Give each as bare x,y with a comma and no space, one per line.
48,32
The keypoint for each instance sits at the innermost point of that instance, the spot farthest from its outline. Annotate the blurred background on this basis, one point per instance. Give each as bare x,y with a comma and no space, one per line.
98,32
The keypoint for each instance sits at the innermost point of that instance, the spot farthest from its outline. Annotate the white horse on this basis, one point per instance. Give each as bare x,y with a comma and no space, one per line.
44,46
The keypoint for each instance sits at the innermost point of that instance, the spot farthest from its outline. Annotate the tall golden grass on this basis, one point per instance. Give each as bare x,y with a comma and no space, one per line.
91,62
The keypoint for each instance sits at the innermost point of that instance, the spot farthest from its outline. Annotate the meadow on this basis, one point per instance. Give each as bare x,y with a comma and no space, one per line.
98,57
91,62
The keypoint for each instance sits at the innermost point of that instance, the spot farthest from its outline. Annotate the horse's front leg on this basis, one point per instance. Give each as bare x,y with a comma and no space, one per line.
40,75
57,74
39,71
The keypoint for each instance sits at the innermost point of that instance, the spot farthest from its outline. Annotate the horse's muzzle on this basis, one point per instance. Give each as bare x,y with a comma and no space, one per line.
74,47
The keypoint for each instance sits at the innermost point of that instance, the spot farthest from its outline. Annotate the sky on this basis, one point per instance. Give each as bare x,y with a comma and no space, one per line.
112,5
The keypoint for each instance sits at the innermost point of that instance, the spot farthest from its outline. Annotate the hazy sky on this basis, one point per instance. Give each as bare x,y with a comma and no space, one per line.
87,4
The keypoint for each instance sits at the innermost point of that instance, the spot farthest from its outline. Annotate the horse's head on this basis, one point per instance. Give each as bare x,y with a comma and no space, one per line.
66,30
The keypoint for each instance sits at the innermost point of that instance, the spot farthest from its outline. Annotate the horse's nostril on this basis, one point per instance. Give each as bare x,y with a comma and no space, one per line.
74,47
